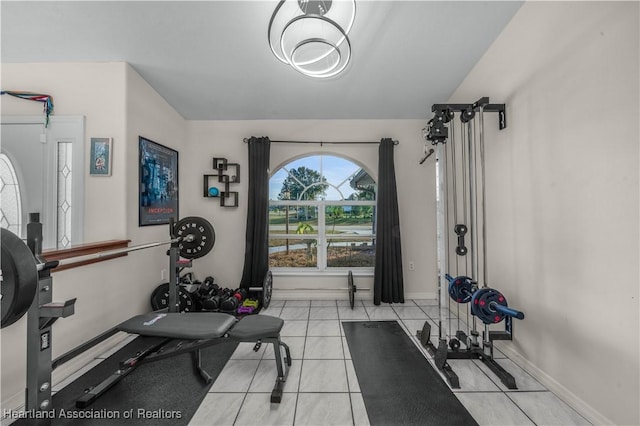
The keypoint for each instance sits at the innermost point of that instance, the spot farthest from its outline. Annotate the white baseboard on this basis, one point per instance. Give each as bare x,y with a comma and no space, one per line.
339,295
558,389
422,295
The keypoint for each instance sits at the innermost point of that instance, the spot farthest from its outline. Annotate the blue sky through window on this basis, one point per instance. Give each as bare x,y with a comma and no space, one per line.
336,170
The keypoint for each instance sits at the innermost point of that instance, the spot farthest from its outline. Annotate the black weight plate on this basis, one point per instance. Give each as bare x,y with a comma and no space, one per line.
267,289
187,301
157,297
352,290
19,278
160,299
202,232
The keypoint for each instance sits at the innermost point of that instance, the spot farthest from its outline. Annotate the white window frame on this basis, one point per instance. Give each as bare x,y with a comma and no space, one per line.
60,129
321,266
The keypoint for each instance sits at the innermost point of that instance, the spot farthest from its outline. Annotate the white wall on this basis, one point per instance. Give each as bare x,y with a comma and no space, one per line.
95,91
117,103
81,89
415,183
562,193
148,115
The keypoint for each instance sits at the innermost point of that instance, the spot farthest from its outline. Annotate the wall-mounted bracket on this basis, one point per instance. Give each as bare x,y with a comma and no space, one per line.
467,111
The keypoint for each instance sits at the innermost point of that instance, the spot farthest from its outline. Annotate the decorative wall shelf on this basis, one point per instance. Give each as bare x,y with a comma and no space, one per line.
226,174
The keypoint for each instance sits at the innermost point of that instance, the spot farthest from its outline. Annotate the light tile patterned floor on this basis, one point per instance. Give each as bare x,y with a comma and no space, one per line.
322,387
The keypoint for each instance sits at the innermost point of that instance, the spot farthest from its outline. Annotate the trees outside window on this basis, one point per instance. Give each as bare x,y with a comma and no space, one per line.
322,215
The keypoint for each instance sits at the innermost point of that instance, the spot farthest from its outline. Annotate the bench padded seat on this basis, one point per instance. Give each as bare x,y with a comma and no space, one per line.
254,327
194,325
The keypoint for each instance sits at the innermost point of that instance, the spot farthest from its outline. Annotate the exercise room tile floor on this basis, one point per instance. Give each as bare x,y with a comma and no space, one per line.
322,387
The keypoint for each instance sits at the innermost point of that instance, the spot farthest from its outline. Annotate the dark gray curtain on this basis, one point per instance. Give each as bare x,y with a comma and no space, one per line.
388,283
256,252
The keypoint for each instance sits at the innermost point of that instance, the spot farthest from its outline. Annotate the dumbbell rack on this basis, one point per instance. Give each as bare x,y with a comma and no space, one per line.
448,347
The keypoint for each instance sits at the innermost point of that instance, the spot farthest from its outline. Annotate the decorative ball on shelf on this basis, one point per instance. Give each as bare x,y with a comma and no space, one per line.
214,192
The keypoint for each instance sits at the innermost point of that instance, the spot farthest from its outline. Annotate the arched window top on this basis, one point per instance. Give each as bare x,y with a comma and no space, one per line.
321,177
11,205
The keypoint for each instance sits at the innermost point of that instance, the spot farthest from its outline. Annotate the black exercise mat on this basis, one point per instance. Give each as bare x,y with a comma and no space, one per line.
163,392
399,386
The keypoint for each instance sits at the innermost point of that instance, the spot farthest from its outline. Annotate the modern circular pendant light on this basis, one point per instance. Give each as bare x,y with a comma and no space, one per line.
312,35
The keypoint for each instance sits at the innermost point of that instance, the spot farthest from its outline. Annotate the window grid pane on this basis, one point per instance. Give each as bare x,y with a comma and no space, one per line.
331,201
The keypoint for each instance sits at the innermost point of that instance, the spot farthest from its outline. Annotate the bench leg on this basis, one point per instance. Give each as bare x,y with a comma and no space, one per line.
282,367
288,353
197,363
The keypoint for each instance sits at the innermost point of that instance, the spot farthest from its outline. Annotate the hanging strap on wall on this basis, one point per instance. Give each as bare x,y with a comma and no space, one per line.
47,100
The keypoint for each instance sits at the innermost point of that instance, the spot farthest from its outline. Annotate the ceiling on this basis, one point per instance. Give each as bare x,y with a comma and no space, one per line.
211,60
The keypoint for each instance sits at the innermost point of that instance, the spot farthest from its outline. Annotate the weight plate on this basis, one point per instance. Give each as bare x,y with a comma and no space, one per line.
461,289
157,297
267,288
19,278
481,305
160,299
204,237
352,289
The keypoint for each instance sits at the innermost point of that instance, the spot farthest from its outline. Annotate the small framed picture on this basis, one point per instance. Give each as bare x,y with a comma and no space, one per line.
100,157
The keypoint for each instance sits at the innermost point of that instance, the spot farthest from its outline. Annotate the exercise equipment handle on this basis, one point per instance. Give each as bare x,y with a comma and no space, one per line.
507,311
449,278
427,155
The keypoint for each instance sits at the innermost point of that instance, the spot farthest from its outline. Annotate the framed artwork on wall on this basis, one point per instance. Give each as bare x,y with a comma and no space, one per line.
100,157
157,183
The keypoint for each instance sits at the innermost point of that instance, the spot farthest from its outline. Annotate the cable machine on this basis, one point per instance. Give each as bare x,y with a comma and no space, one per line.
456,135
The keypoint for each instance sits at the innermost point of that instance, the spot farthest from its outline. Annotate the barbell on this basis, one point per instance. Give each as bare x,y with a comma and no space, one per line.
194,235
267,289
488,304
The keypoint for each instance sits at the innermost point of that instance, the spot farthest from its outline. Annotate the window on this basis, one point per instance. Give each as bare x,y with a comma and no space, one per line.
10,200
47,164
322,215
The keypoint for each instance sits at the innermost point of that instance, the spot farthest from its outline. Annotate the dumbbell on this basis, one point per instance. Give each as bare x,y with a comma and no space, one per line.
206,288
489,305
254,303
215,298
231,304
246,309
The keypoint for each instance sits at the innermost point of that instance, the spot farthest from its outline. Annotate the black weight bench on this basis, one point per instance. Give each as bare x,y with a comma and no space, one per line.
191,332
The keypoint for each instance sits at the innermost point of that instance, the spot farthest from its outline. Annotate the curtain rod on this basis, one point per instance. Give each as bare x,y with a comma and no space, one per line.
395,142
